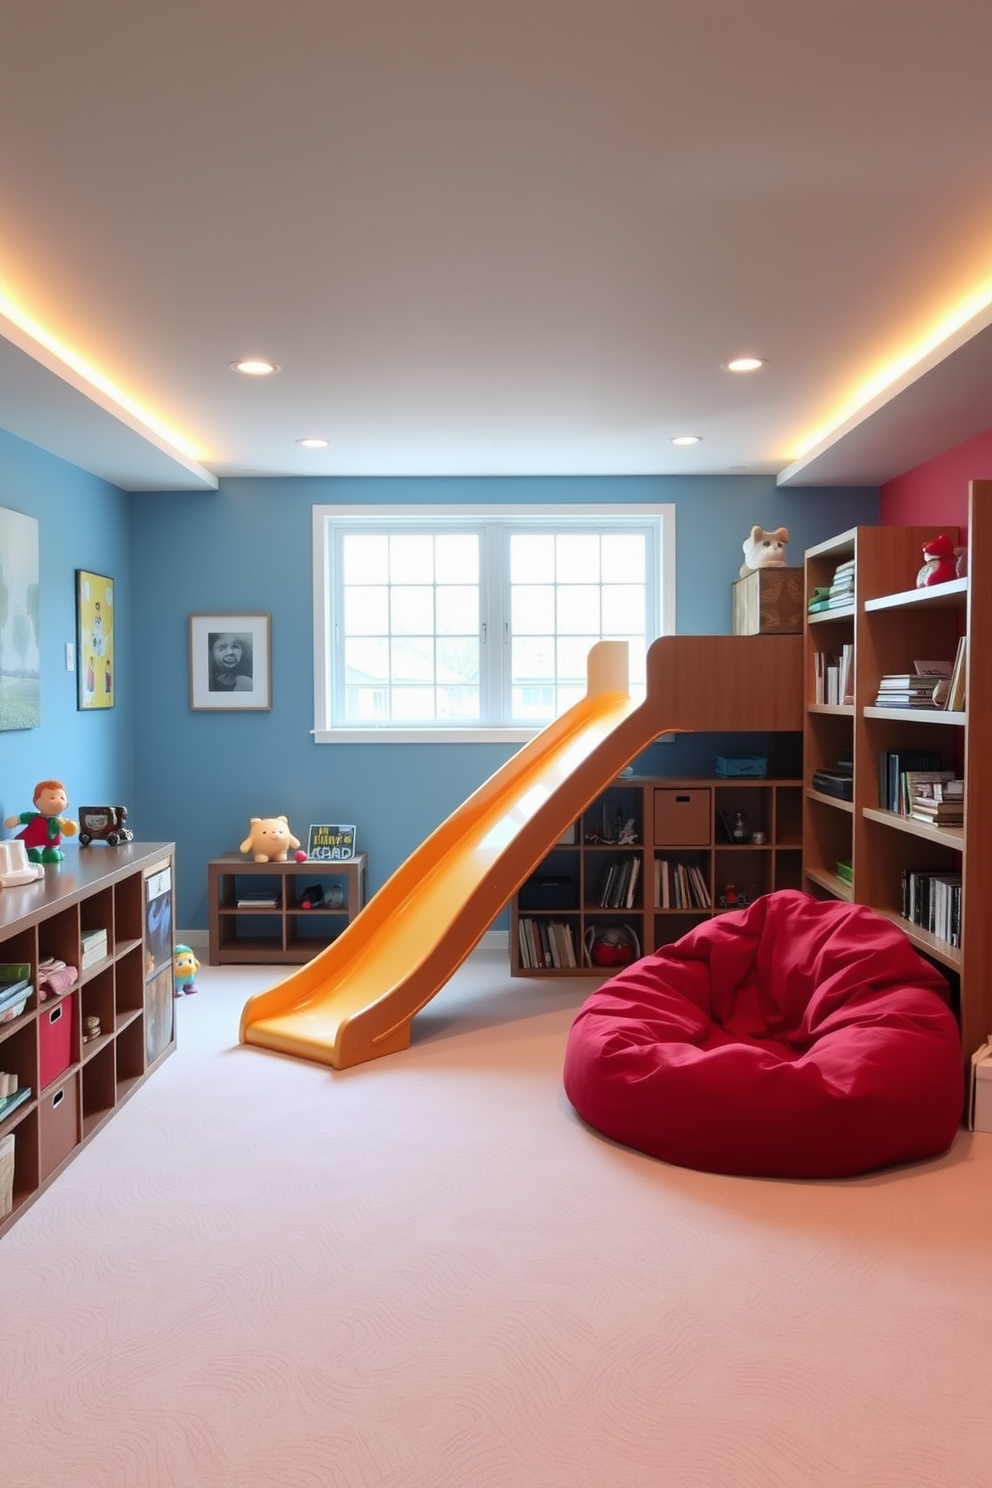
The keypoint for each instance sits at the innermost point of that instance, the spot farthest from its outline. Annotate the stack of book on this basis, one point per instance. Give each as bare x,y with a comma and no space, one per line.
835,596
259,900
941,803
903,773
94,944
619,881
906,690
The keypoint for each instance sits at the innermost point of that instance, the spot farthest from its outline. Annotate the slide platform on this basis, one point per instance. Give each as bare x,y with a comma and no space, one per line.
356,1000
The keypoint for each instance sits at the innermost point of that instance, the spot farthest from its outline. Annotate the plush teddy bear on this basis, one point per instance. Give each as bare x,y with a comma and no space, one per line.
764,549
269,839
939,563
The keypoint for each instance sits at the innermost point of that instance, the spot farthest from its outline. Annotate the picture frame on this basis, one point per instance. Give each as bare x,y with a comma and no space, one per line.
96,662
230,668
20,658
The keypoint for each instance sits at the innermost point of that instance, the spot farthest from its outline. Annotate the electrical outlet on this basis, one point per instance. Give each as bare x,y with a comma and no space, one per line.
70,657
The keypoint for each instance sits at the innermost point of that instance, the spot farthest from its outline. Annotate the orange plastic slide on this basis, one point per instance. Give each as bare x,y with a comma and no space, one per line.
356,1000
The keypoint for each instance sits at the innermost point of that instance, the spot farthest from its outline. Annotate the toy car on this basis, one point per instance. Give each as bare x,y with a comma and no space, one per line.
103,824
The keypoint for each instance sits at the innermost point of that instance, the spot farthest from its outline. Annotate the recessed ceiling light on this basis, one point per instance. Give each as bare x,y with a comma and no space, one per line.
687,439
254,366
314,443
743,364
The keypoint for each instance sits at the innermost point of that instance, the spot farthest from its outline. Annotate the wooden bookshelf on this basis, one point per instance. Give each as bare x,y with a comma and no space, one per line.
890,625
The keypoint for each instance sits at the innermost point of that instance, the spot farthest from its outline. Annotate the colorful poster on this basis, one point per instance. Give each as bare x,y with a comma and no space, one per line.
94,640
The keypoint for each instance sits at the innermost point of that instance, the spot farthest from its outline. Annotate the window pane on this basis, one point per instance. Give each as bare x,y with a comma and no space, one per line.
413,705
578,609
366,660
532,609
568,697
456,558
577,558
533,704
365,558
365,704
458,704
458,660
412,611
412,660
623,558
366,611
573,655
533,659
411,558
458,610
623,609
532,557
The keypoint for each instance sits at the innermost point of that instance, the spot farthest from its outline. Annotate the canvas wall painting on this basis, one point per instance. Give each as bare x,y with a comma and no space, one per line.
95,662
20,658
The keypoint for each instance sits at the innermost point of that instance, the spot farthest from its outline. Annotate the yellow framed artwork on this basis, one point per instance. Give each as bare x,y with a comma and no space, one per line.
96,671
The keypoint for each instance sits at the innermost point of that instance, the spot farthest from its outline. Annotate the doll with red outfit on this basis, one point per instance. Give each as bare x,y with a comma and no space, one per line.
43,827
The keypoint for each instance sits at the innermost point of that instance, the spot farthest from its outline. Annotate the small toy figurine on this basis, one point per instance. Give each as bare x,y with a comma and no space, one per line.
313,896
939,563
184,969
43,827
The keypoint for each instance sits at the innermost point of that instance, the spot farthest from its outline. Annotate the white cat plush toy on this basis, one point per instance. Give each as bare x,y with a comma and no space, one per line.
764,549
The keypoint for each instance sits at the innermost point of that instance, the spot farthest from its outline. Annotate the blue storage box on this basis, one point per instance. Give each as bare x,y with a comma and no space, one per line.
752,764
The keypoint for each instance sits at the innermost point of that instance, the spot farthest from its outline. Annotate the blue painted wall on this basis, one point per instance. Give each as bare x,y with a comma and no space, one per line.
198,777
83,522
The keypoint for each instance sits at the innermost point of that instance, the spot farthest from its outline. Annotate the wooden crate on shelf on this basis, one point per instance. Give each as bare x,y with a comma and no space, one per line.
769,601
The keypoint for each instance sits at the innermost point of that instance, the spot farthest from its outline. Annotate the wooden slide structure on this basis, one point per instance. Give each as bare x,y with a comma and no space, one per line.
356,1000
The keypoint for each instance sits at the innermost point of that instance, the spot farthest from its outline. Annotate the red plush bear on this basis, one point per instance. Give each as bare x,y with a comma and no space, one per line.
938,563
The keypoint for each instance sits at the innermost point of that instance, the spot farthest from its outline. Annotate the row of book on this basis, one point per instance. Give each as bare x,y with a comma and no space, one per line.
833,676
545,944
680,886
933,902
837,595
913,782
619,883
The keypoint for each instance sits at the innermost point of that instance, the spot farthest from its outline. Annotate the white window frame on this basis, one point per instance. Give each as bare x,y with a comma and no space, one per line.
327,517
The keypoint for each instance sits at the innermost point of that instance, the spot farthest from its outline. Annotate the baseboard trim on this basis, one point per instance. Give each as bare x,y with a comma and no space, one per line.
199,941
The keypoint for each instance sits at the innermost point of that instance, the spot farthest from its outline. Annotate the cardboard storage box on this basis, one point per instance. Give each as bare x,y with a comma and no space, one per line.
55,1038
58,1124
769,601
981,1089
683,818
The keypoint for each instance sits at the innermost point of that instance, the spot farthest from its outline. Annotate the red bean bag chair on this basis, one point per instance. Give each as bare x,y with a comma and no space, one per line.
796,1038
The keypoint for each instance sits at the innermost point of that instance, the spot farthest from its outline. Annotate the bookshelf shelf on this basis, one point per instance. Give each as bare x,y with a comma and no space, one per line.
889,627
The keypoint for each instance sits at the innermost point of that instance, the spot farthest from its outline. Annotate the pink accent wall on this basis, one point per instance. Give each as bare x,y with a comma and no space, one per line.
938,490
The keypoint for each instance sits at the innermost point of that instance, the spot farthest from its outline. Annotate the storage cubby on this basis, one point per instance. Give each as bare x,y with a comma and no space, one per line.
284,931
673,822
75,1085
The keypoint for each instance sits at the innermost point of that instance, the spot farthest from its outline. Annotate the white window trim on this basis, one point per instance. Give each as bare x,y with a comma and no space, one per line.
662,512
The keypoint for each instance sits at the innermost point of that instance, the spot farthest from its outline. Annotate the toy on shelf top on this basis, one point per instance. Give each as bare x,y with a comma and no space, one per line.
43,827
270,840
103,824
939,562
764,550
15,867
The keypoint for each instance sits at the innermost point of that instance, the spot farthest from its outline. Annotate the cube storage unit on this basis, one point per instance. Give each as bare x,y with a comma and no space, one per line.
652,857
76,1078
246,928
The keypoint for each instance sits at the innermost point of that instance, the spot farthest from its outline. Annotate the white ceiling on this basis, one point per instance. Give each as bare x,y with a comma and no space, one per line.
488,237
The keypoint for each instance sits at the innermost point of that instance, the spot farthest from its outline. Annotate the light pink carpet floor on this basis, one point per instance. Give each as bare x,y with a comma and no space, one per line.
427,1273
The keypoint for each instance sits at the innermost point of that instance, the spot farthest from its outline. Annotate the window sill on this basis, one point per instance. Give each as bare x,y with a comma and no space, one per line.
425,736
